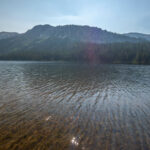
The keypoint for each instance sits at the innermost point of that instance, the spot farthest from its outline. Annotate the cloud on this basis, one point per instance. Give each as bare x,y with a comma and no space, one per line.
113,15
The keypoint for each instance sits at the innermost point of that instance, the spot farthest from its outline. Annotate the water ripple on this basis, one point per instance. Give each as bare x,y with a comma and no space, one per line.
74,106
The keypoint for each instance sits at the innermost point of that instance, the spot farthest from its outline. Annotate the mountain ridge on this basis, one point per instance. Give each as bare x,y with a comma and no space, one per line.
76,32
5,34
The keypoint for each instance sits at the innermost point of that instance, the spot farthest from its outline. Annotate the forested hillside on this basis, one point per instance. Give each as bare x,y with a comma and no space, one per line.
75,43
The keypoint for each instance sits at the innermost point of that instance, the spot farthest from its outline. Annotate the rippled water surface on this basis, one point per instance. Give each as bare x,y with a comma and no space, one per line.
65,106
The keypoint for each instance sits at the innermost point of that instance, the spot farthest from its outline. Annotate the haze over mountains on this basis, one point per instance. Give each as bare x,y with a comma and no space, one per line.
5,35
139,35
74,32
72,42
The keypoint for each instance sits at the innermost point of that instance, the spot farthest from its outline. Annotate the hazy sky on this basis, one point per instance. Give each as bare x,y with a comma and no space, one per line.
114,15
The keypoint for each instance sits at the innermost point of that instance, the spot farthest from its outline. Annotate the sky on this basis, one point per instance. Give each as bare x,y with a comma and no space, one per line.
120,16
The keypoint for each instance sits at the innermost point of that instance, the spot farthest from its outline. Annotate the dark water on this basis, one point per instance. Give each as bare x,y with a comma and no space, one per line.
62,106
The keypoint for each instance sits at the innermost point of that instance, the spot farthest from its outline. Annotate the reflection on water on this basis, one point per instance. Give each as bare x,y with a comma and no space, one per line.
74,141
58,106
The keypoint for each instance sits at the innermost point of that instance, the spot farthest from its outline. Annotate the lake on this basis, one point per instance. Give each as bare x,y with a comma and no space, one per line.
65,106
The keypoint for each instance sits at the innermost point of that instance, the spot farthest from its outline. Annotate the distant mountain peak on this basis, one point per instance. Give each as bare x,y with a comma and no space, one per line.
42,26
81,33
